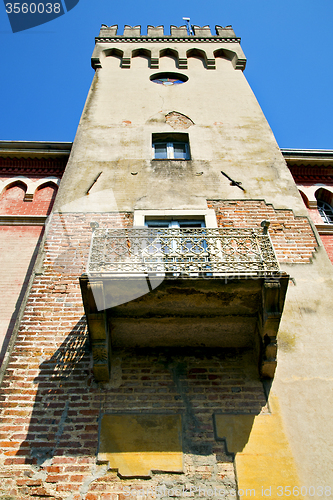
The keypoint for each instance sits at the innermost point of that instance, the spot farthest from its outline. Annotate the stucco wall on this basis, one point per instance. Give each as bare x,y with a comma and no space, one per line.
230,133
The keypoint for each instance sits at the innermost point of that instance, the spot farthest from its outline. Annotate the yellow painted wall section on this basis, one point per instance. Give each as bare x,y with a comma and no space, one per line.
135,445
263,460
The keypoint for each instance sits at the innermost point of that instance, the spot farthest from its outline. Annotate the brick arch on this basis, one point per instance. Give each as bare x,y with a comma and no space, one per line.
178,120
324,211
324,194
12,198
304,198
44,197
48,181
14,182
49,184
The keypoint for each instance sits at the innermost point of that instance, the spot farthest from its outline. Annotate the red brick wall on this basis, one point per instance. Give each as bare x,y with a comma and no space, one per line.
327,240
18,250
292,237
315,216
52,423
51,405
12,201
33,167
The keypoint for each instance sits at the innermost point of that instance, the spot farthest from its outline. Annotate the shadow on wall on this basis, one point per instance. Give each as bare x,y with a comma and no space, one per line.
194,383
62,383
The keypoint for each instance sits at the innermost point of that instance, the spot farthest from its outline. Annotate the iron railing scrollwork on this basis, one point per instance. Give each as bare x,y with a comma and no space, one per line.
181,252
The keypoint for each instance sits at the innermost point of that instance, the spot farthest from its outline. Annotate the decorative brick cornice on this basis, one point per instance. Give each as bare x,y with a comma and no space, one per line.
311,173
33,166
310,165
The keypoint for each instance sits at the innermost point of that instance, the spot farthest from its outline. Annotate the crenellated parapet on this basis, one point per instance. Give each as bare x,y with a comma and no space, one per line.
175,31
183,45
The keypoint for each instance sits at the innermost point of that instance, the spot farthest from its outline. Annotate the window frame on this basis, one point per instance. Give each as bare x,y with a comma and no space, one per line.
179,77
177,223
325,211
207,215
186,240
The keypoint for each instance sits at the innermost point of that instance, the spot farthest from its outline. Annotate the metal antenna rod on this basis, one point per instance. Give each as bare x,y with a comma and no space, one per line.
188,25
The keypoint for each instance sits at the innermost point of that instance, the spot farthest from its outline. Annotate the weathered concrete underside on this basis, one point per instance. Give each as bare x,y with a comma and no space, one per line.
184,313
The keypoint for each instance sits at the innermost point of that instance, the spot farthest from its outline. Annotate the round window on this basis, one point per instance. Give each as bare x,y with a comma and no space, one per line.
168,78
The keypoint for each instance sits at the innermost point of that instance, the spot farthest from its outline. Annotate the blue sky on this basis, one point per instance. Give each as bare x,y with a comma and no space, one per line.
46,73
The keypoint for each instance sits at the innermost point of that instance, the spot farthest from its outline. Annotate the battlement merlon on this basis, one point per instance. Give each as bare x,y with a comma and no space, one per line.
224,43
175,31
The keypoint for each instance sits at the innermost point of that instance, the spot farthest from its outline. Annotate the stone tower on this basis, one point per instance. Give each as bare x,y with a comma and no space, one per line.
148,348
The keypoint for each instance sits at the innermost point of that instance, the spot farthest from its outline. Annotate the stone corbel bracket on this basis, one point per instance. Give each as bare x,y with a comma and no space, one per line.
273,297
108,46
93,300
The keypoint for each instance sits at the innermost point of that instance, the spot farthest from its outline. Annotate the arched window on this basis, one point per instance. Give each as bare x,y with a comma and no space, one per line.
326,211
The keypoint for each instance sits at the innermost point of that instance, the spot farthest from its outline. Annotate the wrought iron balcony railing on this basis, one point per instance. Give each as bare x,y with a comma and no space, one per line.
182,252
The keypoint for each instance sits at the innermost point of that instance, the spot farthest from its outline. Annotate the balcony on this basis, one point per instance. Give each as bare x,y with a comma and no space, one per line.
206,252
157,287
